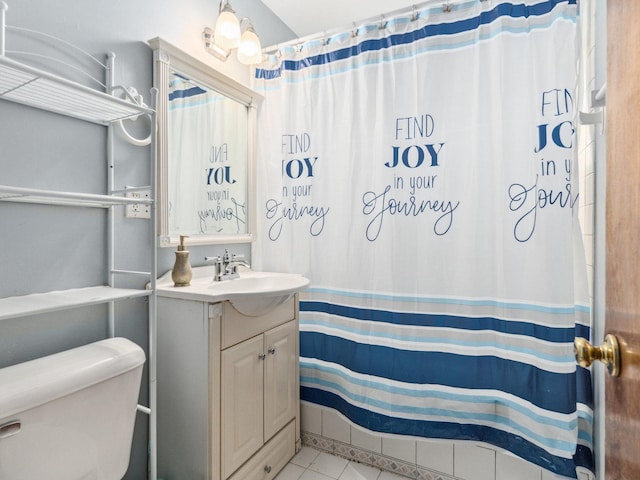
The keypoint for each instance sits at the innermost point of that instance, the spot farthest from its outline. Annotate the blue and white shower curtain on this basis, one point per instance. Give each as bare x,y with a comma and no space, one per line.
422,173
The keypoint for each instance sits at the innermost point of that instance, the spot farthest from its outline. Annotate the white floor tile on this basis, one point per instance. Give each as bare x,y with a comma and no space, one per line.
290,472
311,475
329,465
357,471
305,457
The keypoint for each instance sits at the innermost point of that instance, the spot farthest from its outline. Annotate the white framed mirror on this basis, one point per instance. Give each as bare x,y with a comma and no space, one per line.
205,151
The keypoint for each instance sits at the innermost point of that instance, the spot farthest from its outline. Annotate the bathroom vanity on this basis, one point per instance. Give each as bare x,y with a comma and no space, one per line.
227,356
228,382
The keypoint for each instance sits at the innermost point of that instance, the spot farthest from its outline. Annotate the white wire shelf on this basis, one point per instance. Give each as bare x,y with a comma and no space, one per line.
37,303
36,88
52,197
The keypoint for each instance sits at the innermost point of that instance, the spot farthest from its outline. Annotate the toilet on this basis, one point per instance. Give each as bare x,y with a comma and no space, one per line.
70,416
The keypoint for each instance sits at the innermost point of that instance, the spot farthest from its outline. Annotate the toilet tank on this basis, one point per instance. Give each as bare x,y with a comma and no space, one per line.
70,416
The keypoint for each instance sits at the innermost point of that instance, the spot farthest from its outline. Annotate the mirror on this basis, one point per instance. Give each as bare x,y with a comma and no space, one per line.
205,151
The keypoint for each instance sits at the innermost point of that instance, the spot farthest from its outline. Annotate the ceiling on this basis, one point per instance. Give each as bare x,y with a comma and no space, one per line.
306,17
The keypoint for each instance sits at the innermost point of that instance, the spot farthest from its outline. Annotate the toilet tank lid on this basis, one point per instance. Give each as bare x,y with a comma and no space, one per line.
33,383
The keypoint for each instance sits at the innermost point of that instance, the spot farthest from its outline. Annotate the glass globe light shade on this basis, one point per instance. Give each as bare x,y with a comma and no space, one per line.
227,32
250,50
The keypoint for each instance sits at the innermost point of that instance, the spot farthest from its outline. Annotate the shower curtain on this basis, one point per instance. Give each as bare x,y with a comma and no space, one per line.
421,171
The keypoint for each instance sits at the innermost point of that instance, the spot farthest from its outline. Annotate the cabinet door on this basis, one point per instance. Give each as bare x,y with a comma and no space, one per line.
280,389
242,414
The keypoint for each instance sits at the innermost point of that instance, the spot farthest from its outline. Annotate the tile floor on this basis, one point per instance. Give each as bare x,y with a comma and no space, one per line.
311,464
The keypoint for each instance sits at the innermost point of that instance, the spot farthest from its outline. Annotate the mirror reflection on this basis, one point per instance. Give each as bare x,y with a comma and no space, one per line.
207,160
205,151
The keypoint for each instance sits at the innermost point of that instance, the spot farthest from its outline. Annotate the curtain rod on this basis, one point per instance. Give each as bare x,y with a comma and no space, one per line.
446,6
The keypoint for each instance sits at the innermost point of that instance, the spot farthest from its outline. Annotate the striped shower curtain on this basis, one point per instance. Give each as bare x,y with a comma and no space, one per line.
421,171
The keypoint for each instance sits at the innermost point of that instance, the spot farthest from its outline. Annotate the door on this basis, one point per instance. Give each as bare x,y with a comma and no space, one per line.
280,399
242,413
622,394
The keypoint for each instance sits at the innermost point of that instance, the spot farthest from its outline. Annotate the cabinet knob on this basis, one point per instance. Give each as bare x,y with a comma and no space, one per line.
262,356
267,468
272,350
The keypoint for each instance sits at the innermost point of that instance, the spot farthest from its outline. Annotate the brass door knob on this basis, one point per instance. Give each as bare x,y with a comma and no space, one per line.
608,353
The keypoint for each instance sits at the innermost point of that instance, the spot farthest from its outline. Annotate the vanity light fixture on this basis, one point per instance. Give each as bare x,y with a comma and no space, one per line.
227,32
249,50
228,35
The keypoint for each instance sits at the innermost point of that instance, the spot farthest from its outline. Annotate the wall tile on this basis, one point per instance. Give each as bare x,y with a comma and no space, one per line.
435,455
585,476
583,139
588,248
365,439
335,426
400,448
587,225
390,476
583,188
509,467
316,441
589,166
472,462
311,420
547,475
590,279
590,183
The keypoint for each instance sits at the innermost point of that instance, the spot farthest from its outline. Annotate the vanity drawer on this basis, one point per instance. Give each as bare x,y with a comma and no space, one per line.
237,327
271,458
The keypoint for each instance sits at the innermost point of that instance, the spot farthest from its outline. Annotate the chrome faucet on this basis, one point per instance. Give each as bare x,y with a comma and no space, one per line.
226,267
218,266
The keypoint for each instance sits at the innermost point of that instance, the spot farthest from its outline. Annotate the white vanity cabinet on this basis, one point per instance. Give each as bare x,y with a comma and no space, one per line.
228,390
258,393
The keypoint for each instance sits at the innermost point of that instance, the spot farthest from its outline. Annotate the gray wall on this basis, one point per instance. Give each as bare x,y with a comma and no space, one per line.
45,248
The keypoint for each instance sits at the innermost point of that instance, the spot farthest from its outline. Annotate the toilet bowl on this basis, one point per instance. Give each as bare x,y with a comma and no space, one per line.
70,416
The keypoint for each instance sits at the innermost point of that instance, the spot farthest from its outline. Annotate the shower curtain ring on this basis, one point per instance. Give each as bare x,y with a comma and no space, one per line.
383,23
446,7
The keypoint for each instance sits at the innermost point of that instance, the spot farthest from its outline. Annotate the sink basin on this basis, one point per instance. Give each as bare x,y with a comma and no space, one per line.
253,294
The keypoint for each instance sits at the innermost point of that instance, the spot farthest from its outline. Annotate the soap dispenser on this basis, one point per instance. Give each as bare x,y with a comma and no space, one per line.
181,273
